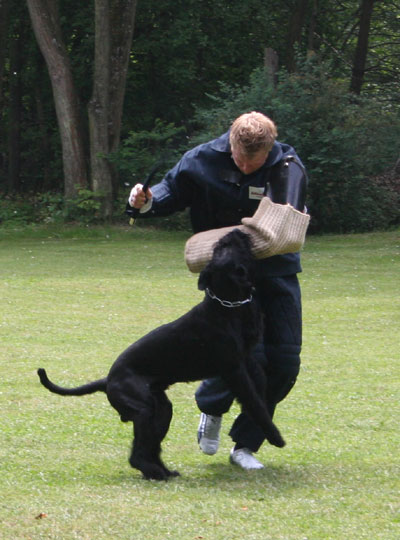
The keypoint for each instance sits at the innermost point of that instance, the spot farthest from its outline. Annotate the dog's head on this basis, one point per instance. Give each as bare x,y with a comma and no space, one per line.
230,273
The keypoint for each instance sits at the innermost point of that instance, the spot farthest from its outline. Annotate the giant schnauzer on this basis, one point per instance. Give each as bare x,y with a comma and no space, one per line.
215,338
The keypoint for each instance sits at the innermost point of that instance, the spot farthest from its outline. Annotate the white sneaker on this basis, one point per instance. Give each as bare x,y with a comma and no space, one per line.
208,433
245,459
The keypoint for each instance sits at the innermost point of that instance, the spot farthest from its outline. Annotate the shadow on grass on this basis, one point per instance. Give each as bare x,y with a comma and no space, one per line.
228,476
224,477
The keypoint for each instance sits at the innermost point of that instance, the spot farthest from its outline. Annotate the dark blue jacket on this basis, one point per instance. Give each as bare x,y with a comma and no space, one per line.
207,181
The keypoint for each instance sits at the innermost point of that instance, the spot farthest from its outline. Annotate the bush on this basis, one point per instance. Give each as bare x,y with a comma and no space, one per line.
50,207
85,207
342,139
15,211
142,149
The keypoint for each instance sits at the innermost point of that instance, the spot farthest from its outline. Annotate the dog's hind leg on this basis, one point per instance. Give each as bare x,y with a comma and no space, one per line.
150,428
132,396
146,448
163,416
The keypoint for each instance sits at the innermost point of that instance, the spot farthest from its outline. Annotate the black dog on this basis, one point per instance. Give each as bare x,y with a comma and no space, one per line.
213,339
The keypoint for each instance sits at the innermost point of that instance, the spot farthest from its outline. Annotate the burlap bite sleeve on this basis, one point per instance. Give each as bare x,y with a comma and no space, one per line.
274,229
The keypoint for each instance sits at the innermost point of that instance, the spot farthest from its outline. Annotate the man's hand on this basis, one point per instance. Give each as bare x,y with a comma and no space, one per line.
138,197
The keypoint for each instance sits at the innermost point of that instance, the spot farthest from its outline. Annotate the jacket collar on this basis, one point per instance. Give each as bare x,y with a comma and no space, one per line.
222,143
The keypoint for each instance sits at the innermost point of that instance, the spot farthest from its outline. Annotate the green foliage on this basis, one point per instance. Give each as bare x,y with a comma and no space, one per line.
15,211
138,154
85,207
50,207
182,49
342,140
141,150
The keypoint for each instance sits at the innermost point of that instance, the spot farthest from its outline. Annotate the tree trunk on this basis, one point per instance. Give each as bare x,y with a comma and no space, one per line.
98,110
122,24
114,22
47,30
362,46
311,28
43,129
4,10
296,23
271,64
14,121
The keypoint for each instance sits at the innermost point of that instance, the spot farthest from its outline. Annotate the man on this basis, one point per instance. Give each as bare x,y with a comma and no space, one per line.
221,182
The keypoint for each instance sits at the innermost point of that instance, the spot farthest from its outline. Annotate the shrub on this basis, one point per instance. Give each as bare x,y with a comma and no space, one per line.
50,207
142,149
15,211
342,139
85,207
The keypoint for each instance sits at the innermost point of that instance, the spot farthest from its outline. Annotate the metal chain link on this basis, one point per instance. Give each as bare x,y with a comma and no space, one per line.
227,303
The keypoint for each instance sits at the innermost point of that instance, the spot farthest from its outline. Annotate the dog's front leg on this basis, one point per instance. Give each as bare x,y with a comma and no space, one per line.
243,388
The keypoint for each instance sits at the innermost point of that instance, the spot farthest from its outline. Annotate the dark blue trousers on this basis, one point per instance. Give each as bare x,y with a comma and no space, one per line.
279,355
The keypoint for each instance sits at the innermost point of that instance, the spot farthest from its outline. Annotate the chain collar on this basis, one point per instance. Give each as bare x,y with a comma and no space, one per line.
227,303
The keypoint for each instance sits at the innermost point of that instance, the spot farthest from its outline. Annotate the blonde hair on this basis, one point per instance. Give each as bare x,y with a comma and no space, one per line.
253,132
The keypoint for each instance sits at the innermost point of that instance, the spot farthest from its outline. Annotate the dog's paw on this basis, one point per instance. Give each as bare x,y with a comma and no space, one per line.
173,474
155,472
161,474
155,475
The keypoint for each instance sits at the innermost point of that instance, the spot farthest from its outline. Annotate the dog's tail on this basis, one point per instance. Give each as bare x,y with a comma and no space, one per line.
95,386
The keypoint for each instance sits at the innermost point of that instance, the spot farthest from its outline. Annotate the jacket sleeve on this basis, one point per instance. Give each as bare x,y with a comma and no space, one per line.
173,194
287,184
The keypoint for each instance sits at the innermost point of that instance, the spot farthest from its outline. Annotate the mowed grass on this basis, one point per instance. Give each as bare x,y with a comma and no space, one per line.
72,300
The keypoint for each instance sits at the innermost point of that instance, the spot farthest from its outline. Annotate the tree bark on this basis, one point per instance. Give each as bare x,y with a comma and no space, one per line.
271,64
43,128
114,22
311,28
360,56
123,14
14,121
47,30
296,24
98,109
4,10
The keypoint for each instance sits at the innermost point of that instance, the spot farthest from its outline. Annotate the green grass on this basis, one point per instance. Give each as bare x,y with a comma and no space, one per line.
72,300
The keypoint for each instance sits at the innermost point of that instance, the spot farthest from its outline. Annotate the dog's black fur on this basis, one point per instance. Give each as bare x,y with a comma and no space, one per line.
210,340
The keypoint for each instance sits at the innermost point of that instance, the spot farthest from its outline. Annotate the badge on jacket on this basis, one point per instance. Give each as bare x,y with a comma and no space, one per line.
256,192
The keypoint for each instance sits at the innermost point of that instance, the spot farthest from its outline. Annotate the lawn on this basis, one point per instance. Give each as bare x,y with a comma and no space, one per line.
72,300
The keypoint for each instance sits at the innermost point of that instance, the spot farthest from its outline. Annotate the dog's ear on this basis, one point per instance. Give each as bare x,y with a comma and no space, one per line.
204,279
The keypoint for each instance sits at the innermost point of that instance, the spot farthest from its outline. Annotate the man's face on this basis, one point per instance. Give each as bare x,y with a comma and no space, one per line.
249,163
